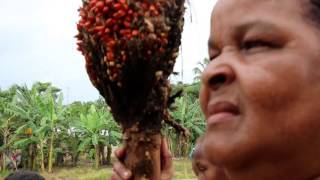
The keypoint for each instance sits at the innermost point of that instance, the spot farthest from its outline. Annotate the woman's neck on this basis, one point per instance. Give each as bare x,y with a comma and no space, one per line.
302,168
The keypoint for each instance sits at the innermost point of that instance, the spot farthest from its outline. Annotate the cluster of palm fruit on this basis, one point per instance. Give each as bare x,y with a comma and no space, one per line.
130,47
114,32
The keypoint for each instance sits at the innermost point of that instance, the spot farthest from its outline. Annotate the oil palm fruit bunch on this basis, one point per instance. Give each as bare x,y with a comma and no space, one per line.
130,47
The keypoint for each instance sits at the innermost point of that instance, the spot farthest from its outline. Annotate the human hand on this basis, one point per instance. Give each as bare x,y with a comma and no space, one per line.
120,172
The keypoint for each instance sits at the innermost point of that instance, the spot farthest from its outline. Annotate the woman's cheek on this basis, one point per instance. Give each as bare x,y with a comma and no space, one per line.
267,90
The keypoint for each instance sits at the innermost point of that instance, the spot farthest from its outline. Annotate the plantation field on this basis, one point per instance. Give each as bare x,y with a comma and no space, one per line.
43,134
183,171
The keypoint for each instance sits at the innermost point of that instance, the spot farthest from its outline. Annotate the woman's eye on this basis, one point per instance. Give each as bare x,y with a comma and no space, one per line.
213,57
255,44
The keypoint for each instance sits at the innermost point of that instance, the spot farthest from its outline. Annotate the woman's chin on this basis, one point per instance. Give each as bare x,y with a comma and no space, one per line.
222,150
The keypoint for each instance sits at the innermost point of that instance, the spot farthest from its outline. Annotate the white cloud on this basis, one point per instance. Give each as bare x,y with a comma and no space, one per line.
194,38
37,44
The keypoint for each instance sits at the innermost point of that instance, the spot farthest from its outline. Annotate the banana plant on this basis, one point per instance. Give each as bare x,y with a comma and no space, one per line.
5,130
25,107
51,112
199,69
6,121
96,128
187,113
36,108
70,138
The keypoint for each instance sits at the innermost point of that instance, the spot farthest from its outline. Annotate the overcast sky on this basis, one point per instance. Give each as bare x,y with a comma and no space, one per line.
37,44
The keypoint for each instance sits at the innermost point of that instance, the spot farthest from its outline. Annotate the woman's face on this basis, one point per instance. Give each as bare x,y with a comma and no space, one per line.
203,169
261,91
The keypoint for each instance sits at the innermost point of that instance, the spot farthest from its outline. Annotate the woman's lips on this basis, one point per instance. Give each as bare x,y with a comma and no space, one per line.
220,112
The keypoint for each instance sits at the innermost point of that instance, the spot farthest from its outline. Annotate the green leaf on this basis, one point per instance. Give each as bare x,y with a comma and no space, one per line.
95,139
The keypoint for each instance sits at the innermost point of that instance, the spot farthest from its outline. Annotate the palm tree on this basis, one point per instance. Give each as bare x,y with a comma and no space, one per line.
199,69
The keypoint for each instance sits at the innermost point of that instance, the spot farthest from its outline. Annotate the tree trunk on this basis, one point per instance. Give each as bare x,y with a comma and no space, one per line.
102,156
30,157
143,154
75,158
4,161
97,157
170,144
50,153
109,152
59,159
180,146
42,157
31,154
4,152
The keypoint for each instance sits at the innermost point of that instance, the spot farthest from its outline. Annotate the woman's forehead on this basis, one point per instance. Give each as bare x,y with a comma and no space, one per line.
244,7
237,15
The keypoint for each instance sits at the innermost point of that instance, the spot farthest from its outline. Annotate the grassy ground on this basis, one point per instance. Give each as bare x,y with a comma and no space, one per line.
183,171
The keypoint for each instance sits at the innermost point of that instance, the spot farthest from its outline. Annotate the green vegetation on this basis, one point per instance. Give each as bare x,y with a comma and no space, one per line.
49,134
52,137
35,123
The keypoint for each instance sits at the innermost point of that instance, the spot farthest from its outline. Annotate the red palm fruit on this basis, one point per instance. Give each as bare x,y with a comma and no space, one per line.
105,10
129,36
155,13
116,28
98,19
98,29
87,24
93,2
117,6
110,56
82,14
109,49
135,33
164,41
127,24
107,31
125,7
152,7
100,33
144,6
161,50
123,32
111,43
91,18
128,17
121,13
100,5
110,22
135,14
79,27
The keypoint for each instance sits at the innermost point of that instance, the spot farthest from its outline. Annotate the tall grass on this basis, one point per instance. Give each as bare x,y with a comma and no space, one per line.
182,167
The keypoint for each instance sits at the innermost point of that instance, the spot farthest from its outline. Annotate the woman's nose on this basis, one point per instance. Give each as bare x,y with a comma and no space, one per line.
217,76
